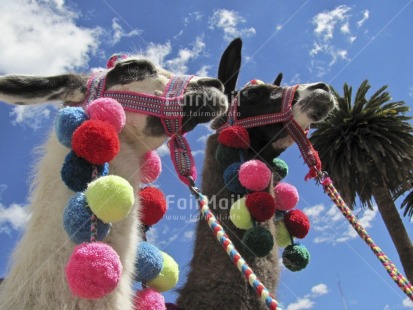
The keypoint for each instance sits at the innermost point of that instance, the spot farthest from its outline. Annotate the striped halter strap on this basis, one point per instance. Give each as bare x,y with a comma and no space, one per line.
285,117
168,107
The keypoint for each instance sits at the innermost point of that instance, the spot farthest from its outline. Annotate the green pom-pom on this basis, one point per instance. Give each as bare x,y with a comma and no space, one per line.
110,198
168,277
258,241
280,168
296,257
240,215
226,155
283,237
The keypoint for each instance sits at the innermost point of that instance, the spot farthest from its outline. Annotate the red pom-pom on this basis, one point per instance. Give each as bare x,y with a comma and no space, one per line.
235,136
96,141
254,175
149,299
297,223
93,270
153,205
261,206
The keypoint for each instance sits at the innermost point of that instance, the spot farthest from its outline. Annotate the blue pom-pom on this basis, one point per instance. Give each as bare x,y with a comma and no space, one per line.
77,172
149,262
231,179
66,122
77,221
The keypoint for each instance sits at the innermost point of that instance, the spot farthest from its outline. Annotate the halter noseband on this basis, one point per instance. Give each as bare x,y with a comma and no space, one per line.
285,117
168,107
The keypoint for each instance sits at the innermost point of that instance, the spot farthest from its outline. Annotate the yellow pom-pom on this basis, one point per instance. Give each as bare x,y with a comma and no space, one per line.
240,215
110,198
283,237
168,277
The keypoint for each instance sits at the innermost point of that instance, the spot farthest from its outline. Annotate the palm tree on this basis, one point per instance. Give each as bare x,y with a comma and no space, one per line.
367,149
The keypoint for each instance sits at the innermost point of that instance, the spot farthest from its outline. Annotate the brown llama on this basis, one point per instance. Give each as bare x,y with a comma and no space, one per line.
36,279
213,281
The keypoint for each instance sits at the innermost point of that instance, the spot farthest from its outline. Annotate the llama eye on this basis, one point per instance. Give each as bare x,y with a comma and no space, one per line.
250,93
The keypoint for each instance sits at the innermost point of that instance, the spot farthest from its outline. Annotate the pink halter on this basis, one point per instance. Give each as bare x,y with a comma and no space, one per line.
168,107
285,117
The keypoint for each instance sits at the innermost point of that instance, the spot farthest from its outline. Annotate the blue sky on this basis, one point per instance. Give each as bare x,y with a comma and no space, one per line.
331,41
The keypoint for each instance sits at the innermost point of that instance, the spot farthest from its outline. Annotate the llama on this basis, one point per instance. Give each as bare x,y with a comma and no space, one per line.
36,279
213,281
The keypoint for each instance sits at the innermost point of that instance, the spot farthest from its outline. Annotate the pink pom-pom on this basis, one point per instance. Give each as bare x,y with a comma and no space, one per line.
114,59
149,299
254,175
93,270
286,196
151,167
107,110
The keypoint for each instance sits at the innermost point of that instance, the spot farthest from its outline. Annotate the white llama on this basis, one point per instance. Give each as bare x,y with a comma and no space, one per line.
36,279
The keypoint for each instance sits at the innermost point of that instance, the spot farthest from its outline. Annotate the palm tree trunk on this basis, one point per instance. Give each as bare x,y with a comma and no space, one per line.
396,229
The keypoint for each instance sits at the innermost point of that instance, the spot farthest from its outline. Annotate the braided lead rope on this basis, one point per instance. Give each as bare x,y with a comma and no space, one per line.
397,277
219,232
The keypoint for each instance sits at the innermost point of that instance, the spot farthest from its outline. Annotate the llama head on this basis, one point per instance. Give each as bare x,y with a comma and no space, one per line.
312,103
203,98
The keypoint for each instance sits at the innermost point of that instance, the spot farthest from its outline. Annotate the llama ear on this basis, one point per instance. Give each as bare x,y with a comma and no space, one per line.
229,66
27,90
278,79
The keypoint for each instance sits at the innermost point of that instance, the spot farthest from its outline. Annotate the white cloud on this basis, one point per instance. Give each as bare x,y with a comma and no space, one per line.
319,290
156,52
203,71
331,226
41,37
228,21
13,217
178,65
366,15
326,21
407,303
31,116
119,33
301,304
163,150
189,235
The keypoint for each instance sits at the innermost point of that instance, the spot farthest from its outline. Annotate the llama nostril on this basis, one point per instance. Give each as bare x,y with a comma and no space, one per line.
211,83
320,85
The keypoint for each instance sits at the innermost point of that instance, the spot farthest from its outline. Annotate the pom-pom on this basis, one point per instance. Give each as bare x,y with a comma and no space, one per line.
149,262
239,214
235,136
258,241
114,59
255,175
286,196
153,205
280,168
110,197
283,237
168,277
296,257
151,167
231,179
149,299
297,223
171,306
226,155
96,141
107,110
77,172
261,206
66,122
94,270
77,221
